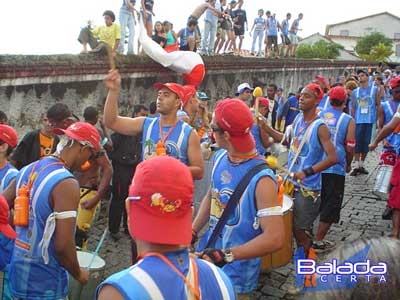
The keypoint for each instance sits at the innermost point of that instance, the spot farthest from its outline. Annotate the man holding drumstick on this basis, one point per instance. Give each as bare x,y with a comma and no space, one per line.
254,227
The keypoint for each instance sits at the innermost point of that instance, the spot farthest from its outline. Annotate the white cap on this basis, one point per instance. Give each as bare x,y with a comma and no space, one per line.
242,87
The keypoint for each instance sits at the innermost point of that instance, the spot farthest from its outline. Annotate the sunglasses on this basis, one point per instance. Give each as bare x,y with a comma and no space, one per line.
215,128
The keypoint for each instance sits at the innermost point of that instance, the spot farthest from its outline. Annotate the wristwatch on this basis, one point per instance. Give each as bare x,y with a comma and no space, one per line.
228,257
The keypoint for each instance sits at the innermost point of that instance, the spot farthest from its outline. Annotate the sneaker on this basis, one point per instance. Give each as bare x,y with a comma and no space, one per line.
355,172
116,236
362,170
323,246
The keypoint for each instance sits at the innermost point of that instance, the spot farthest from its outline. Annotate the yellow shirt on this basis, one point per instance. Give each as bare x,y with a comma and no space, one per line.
108,34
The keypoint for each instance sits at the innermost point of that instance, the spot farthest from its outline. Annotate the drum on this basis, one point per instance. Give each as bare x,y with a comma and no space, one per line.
382,181
96,274
283,256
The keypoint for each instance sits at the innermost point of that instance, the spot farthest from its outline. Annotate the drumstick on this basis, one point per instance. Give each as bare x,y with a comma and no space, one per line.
110,57
272,162
257,93
98,247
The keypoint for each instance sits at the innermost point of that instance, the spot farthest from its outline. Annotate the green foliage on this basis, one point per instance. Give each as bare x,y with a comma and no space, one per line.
367,43
380,52
320,49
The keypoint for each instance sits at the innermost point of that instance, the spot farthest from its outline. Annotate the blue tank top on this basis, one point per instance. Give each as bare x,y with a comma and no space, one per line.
184,36
311,153
242,225
133,2
259,24
389,109
285,27
365,105
8,173
151,278
325,103
255,131
30,277
337,122
176,144
272,28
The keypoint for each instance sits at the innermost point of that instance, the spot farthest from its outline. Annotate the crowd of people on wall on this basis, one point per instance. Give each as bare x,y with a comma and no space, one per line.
225,25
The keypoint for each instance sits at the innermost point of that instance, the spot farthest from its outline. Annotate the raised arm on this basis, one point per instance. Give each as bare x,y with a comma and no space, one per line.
111,117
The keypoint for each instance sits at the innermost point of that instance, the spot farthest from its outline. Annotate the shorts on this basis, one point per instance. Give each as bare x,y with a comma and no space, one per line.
239,31
186,48
285,39
305,210
363,137
221,32
332,193
294,39
226,25
272,40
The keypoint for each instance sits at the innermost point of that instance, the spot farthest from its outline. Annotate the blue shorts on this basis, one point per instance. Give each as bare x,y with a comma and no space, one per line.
363,137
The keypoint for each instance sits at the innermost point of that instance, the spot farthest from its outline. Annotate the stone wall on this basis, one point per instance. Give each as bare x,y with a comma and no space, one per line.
31,84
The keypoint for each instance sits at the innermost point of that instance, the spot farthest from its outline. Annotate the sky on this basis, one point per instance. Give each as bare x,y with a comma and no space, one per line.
52,26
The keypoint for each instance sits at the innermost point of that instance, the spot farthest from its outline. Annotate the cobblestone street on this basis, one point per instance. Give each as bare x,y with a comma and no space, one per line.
360,217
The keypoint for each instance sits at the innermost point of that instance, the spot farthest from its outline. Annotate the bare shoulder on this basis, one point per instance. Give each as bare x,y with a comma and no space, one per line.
109,292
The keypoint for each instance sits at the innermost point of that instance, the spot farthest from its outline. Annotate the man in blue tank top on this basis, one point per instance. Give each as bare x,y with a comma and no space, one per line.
309,141
366,105
342,131
166,135
255,226
44,251
160,214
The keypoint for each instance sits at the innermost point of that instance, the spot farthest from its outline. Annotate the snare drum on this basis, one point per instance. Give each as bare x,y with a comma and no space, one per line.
382,181
283,256
96,274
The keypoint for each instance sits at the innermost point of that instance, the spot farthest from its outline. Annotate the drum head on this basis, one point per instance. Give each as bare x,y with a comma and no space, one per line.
287,203
84,259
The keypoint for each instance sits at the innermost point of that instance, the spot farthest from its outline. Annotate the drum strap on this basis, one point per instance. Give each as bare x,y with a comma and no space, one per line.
49,230
234,200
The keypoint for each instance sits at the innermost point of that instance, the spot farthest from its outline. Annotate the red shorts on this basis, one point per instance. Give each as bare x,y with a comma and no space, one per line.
394,196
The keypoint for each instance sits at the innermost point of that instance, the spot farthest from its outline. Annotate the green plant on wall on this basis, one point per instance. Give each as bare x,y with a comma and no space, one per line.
320,49
375,47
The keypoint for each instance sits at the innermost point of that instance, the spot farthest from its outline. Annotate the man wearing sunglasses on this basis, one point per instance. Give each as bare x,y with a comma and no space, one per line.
255,227
44,251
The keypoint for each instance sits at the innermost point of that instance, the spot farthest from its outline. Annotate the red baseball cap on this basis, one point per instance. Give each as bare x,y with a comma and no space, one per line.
82,132
233,116
172,86
8,135
263,102
160,202
319,93
189,91
339,93
394,82
322,79
5,227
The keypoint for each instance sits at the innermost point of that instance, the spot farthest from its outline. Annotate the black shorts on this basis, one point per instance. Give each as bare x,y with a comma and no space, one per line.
331,197
186,48
285,39
239,31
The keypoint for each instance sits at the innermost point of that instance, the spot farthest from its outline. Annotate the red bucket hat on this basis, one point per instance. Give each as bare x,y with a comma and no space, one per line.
233,116
189,92
5,227
160,202
82,132
394,82
339,93
172,86
319,93
263,102
8,135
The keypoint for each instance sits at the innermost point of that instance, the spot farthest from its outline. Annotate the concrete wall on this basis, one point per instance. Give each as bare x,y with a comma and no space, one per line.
31,84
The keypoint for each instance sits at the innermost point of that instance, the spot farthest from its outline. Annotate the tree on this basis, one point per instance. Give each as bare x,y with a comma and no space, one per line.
320,49
374,44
